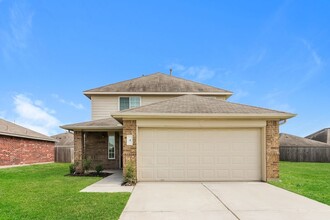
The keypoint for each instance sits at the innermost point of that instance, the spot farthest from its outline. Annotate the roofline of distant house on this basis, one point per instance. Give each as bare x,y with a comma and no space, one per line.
134,115
317,132
28,137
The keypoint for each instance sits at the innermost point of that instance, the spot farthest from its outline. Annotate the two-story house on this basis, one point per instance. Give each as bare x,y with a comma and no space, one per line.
174,129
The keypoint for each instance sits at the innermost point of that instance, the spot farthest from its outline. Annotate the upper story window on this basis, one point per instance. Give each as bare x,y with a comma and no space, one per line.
129,102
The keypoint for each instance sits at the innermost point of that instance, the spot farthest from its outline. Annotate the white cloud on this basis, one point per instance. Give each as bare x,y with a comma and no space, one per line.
35,117
15,38
314,55
254,59
199,73
70,103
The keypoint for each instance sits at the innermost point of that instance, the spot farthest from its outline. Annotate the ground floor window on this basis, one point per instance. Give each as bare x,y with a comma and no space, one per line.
111,146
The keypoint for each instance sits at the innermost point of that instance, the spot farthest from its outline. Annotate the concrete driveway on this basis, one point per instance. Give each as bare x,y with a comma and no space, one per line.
226,200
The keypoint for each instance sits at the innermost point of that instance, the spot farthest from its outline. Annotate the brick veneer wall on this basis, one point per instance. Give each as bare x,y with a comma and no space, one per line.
272,150
129,152
15,151
78,143
96,150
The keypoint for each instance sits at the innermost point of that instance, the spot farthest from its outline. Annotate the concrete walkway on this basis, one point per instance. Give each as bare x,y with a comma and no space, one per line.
109,184
226,200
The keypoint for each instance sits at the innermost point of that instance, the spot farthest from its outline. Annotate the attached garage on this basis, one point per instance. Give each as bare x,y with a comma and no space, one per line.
199,154
193,138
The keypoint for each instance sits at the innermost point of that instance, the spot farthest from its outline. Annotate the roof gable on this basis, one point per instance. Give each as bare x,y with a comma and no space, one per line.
106,123
157,83
194,104
10,129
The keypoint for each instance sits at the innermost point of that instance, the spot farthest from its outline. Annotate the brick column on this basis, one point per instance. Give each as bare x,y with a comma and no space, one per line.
129,152
78,150
272,150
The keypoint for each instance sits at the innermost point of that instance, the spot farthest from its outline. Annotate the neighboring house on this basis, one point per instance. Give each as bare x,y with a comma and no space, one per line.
172,129
64,152
64,139
19,145
299,149
322,135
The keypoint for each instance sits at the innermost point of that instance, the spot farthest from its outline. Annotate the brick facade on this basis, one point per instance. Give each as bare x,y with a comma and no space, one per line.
78,145
129,152
15,151
94,147
96,150
272,150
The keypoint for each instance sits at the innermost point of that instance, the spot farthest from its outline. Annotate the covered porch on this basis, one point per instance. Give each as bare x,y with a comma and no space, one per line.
100,142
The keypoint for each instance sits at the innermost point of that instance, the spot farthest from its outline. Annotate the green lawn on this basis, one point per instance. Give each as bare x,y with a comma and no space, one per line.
43,192
308,179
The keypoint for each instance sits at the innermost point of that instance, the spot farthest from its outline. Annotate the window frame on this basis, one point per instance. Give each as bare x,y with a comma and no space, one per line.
114,146
129,101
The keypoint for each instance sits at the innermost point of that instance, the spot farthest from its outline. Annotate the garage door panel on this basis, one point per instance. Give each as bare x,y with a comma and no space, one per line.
147,161
148,149
147,174
177,174
177,161
166,154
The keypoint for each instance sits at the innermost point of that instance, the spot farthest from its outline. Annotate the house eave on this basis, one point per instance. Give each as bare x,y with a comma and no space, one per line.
91,128
202,116
226,94
28,137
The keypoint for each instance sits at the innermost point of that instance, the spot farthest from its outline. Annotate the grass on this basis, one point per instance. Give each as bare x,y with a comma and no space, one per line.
308,179
43,192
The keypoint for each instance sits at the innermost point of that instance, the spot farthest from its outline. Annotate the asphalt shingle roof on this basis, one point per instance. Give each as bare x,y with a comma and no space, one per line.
10,129
288,140
194,104
158,83
64,139
108,123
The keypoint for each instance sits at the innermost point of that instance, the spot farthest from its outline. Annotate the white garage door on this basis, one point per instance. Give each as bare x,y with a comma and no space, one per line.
199,154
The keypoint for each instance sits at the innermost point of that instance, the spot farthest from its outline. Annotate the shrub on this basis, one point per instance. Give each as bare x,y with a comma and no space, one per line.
72,168
86,164
130,177
99,169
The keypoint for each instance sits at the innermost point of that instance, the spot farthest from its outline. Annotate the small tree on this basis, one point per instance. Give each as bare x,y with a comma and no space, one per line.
130,177
86,164
73,168
99,169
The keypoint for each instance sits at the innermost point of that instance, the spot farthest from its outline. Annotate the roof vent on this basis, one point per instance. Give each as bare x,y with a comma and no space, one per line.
171,72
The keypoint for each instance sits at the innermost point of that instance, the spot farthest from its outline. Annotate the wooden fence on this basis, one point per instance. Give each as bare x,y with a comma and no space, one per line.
305,154
64,154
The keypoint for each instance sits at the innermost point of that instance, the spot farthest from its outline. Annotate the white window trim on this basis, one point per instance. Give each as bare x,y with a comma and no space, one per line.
128,101
114,148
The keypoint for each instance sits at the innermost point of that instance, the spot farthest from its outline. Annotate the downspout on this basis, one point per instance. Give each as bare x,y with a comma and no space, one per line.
282,122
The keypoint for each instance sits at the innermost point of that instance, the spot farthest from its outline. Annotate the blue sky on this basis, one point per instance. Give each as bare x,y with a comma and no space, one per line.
273,54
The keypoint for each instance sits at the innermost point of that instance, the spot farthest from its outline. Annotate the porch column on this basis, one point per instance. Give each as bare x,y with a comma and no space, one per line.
78,150
129,149
272,150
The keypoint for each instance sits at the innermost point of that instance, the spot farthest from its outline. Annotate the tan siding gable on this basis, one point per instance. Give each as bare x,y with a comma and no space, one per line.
103,106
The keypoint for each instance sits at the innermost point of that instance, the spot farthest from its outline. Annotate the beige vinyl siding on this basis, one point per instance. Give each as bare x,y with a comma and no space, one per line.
146,100
105,105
